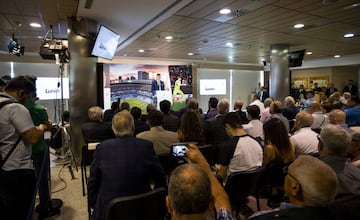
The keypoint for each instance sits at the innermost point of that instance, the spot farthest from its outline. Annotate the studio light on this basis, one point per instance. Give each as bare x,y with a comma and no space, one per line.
15,48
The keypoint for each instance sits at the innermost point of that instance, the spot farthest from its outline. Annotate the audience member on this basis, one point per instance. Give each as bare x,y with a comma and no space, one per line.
255,101
140,125
263,94
122,166
17,132
212,108
290,109
319,118
238,109
194,192
109,113
264,116
95,129
316,89
345,98
124,106
150,107
310,98
276,110
338,117
354,149
353,112
278,148
171,122
351,88
161,138
241,152
304,140
190,129
326,106
302,91
311,186
329,91
214,127
254,128
333,142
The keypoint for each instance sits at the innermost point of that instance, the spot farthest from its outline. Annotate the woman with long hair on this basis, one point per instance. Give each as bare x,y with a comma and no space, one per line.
278,147
191,129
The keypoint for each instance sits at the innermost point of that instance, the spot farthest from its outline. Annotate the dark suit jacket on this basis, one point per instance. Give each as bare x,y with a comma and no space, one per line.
140,126
96,131
353,89
122,166
171,122
328,91
215,130
243,117
155,86
290,112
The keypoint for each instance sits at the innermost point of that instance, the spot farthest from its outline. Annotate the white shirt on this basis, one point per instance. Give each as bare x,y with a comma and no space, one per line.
259,104
305,141
319,120
248,156
254,128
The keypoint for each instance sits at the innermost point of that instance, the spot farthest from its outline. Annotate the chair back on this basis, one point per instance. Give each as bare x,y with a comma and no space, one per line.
168,162
240,185
209,152
150,206
87,153
274,175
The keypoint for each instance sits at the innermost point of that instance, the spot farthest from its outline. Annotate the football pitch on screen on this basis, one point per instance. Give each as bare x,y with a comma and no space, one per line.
135,102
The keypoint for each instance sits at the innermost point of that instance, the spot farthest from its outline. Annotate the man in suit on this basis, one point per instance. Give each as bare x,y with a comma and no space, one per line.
171,122
238,109
96,130
157,84
122,166
351,88
329,91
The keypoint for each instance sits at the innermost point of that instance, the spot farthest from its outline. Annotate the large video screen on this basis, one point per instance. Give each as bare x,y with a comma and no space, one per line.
106,43
212,86
48,88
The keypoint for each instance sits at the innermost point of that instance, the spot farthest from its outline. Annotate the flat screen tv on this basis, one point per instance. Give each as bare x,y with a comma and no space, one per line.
106,43
296,58
212,86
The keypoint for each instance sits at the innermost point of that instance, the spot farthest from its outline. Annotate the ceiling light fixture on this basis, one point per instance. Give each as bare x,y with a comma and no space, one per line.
35,25
337,56
349,35
225,11
141,51
309,53
229,44
169,37
299,25
190,54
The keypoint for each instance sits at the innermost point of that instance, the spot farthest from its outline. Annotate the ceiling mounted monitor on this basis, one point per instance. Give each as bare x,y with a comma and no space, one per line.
106,43
296,58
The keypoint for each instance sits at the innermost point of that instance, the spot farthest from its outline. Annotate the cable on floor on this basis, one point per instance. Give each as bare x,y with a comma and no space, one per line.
62,180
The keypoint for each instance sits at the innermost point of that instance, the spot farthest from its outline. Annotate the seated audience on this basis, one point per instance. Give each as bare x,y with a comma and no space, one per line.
124,106
190,129
290,109
319,118
278,148
254,128
304,140
276,110
161,138
214,127
264,116
241,152
345,98
140,125
212,105
171,122
122,166
109,113
333,142
255,101
354,149
238,109
95,130
194,192
326,107
329,91
310,98
311,186
150,107
353,112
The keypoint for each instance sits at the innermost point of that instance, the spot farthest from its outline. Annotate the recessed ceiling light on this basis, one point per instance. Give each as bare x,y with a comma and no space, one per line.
190,54
141,51
229,44
337,56
309,53
169,37
299,25
36,25
349,35
225,11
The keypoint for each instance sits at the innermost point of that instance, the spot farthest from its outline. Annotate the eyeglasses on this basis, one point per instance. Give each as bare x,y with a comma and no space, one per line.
285,171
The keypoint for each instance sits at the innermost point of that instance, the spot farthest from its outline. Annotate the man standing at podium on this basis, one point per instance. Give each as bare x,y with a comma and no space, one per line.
156,85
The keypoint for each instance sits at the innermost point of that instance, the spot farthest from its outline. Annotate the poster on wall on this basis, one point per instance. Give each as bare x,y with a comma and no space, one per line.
139,84
181,84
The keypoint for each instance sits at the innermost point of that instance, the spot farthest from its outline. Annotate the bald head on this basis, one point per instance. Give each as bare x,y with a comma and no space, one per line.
238,104
223,106
276,107
333,140
314,107
318,181
337,117
303,119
